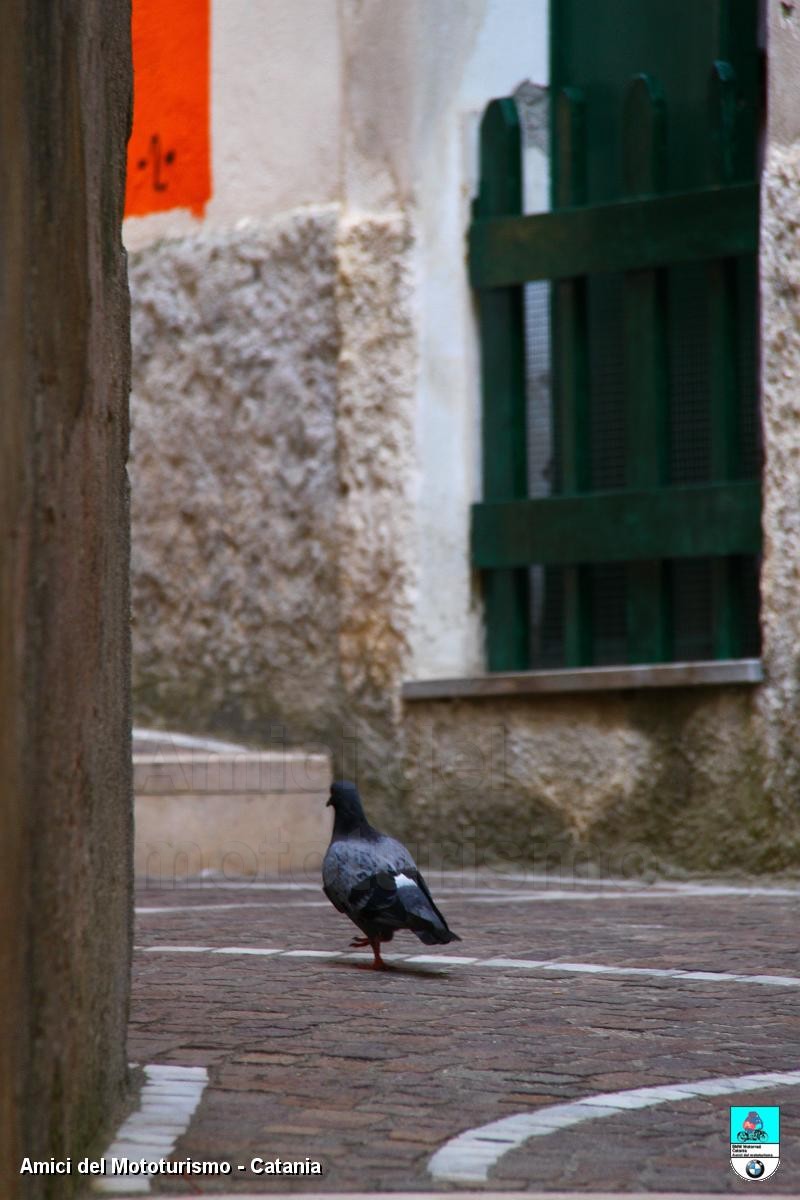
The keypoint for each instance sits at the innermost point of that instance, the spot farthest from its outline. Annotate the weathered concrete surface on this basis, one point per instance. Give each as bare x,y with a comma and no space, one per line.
272,431
230,815
234,478
628,780
779,263
376,467
65,875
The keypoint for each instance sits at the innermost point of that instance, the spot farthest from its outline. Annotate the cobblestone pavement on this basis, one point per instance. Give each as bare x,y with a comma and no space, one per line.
372,1072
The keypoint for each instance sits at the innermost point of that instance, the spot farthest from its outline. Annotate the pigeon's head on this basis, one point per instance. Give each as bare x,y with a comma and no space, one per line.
346,802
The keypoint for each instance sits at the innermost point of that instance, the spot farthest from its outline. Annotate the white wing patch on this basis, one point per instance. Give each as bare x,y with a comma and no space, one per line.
403,881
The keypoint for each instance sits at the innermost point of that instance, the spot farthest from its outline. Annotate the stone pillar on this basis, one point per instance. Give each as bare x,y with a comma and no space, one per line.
65,788
780,382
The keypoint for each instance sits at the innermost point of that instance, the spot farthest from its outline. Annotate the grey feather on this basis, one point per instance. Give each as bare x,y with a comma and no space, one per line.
348,863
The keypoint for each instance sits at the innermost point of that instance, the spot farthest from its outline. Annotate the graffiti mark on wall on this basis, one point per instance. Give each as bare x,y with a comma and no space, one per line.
169,154
153,162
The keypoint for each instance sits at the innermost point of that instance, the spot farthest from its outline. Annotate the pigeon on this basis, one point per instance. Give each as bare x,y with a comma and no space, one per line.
373,879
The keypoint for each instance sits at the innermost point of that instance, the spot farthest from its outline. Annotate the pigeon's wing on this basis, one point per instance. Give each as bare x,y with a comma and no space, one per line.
377,884
393,855
334,898
397,859
350,861
346,864
377,899
389,901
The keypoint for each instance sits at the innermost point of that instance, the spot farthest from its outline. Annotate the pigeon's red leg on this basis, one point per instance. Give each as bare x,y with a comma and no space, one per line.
359,942
378,964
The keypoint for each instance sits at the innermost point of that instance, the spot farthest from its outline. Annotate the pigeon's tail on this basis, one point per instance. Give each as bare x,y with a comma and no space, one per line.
437,937
424,918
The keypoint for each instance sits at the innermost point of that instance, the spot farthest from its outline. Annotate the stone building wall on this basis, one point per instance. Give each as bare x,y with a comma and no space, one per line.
305,393
65,873
663,779
700,779
271,451
306,448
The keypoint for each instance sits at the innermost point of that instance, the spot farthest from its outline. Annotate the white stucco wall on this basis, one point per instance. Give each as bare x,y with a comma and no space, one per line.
508,45
275,117
373,105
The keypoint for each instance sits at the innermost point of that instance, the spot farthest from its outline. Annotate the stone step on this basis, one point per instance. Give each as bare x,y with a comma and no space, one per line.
229,814
162,741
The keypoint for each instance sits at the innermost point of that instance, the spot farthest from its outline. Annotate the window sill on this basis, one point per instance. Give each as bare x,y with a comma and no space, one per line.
588,679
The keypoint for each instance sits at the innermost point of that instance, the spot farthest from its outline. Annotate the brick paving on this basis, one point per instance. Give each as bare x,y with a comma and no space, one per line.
372,1072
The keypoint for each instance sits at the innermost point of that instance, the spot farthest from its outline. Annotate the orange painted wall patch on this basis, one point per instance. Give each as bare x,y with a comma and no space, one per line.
169,154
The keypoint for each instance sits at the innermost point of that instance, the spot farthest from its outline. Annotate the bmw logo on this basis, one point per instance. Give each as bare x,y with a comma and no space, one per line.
755,1168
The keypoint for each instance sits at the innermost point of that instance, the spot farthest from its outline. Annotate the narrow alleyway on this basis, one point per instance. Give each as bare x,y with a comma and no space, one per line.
557,993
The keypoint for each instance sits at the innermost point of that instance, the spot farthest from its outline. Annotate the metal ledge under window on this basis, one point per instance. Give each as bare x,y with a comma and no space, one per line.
588,679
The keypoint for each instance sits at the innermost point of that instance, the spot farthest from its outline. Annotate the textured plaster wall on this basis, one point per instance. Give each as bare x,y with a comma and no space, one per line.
65,787
779,707
270,462
374,106
305,404
275,116
670,779
466,55
377,375
234,478
780,579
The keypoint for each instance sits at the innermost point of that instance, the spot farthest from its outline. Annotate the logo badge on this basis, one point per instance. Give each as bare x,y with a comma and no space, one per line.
755,1141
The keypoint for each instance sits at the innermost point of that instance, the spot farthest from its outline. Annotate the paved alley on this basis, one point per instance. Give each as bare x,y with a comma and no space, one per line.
558,994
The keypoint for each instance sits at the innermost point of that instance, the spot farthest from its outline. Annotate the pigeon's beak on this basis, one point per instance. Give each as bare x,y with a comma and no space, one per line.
329,802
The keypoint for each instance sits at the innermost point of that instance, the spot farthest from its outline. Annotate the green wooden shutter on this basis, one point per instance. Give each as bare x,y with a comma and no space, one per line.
653,529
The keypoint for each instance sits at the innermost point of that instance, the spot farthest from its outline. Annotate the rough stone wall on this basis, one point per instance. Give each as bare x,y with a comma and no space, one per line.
271,462
780,578
779,699
65,874
669,779
234,481
376,465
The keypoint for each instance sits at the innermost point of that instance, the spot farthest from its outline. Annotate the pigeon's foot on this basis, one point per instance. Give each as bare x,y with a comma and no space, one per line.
359,943
378,964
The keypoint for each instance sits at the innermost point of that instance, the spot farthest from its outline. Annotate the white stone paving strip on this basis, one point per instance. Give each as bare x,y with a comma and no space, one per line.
451,882
146,911
483,1194
486,894
262,951
177,949
525,964
167,1103
554,894
470,1156
652,972
310,953
452,960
